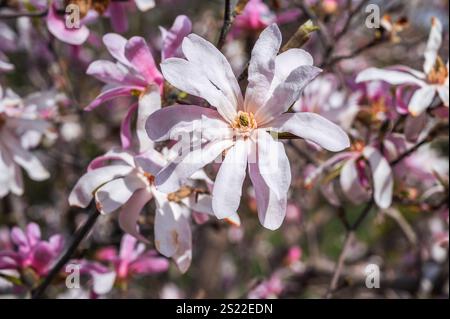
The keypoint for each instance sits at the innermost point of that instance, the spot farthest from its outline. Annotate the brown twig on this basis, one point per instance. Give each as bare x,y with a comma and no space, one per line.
230,14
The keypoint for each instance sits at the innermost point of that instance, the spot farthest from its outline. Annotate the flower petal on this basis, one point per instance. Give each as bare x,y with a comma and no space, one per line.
56,25
188,77
350,183
166,123
139,55
174,175
115,44
389,76
443,94
116,193
83,191
383,179
271,208
110,94
217,69
125,127
421,100
129,214
273,164
172,38
262,67
433,45
149,102
283,95
312,127
110,72
231,176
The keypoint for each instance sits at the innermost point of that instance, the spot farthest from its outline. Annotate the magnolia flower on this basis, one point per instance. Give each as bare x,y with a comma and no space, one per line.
127,183
240,127
257,16
433,80
131,260
22,126
31,252
364,173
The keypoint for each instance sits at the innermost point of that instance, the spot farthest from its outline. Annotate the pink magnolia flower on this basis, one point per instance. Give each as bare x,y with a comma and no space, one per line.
23,123
364,173
240,127
433,80
257,16
77,35
268,289
132,74
123,180
131,260
31,251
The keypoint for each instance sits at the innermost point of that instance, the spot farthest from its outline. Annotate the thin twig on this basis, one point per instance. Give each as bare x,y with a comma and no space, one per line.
67,255
230,14
17,15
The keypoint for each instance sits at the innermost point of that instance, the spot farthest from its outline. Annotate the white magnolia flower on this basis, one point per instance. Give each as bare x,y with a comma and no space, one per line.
240,126
433,80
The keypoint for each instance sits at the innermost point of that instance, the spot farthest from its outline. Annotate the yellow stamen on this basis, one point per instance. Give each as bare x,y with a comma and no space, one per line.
439,73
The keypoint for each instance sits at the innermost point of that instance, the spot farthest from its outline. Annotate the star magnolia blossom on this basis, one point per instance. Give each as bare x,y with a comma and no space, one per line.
22,126
31,251
433,80
241,127
131,260
364,173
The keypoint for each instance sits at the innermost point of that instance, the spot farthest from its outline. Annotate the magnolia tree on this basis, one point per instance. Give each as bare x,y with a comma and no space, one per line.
231,149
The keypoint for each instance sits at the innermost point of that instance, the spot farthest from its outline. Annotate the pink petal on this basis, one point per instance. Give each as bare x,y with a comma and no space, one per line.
172,38
111,94
125,127
139,55
56,25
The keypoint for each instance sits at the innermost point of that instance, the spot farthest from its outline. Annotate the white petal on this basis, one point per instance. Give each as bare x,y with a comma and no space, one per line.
382,177
116,193
189,78
273,164
443,94
227,189
83,191
130,212
271,208
312,127
421,100
216,68
149,102
433,45
262,67
351,185
174,175
145,5
389,76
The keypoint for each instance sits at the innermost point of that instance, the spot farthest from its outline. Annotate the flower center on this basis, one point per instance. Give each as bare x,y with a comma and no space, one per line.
180,194
439,73
244,122
357,146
